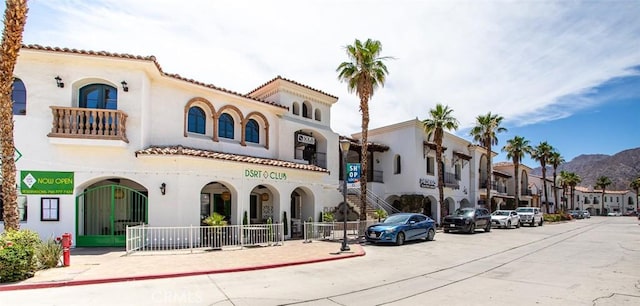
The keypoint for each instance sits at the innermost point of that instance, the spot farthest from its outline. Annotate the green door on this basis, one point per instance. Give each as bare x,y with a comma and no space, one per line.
104,212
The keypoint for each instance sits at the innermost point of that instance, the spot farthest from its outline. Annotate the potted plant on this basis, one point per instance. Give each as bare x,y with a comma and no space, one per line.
216,221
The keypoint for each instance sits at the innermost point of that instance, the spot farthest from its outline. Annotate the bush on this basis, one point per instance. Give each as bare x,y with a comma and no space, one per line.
49,253
17,255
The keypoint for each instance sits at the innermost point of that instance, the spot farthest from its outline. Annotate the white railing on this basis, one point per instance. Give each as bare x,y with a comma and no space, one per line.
143,238
334,230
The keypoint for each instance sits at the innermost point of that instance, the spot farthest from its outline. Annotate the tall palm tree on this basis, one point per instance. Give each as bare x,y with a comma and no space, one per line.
484,132
635,185
573,181
541,153
555,160
364,73
564,183
602,182
15,17
516,149
440,120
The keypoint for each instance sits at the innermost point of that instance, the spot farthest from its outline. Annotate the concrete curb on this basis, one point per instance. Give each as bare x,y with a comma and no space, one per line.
56,284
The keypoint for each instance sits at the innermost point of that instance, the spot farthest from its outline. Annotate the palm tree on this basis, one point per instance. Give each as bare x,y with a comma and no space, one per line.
15,17
541,154
364,73
635,185
485,134
440,120
516,149
564,183
573,181
555,159
602,182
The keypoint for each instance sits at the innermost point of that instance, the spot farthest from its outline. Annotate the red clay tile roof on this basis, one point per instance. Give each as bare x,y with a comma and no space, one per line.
186,151
294,82
372,146
147,58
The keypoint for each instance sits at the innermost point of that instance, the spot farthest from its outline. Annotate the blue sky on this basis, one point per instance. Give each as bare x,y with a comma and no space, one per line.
560,71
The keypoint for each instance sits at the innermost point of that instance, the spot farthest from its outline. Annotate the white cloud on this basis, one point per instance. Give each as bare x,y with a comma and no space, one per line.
518,59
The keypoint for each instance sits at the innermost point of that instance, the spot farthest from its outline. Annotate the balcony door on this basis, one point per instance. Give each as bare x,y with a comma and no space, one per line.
99,96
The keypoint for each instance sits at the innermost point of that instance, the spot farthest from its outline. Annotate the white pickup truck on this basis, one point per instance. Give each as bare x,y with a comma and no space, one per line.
530,215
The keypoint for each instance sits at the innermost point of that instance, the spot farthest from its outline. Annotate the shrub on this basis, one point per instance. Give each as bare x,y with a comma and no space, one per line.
49,253
327,217
17,255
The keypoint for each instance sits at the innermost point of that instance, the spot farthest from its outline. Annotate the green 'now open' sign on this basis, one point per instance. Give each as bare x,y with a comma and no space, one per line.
46,182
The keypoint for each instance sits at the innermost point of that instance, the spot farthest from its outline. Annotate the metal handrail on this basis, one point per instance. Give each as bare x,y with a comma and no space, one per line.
375,202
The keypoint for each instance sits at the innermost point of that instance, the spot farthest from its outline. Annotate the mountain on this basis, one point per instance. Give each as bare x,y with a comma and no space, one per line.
621,168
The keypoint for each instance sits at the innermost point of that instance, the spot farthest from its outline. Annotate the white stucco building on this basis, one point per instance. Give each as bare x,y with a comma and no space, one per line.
109,140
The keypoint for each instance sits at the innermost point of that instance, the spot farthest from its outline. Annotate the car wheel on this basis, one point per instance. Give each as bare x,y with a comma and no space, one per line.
472,228
509,224
445,230
487,228
533,223
400,238
431,234
518,224
541,222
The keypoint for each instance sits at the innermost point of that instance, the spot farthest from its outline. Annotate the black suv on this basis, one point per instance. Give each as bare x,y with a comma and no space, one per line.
467,220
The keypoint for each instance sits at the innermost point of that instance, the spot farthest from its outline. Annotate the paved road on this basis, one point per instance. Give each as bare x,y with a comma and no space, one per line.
584,262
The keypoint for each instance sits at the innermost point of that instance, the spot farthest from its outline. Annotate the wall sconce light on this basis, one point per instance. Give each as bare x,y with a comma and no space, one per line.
226,196
163,188
125,86
264,197
59,82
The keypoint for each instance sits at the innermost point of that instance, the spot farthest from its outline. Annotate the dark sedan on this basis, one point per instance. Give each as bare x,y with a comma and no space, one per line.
402,227
467,220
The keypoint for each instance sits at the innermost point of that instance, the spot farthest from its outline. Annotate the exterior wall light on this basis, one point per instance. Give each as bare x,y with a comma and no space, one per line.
125,86
163,188
59,82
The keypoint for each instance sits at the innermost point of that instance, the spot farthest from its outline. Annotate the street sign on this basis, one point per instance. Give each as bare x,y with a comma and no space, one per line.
353,175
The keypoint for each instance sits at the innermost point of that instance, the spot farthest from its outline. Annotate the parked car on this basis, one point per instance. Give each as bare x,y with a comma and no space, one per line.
467,220
505,218
530,215
401,227
576,214
614,214
586,213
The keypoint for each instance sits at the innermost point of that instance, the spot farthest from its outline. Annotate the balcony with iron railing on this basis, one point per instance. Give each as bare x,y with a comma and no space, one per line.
88,123
451,180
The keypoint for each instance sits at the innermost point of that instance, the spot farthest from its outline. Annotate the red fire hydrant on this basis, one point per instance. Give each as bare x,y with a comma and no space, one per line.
66,249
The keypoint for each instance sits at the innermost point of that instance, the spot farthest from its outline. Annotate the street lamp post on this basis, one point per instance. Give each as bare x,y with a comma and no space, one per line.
344,147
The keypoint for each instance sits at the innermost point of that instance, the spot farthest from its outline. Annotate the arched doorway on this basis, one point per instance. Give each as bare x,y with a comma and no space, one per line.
465,203
106,208
430,207
262,205
216,197
301,208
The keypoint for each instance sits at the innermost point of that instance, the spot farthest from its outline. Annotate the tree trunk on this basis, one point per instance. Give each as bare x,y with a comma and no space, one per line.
438,140
364,108
544,185
555,191
487,146
516,167
15,18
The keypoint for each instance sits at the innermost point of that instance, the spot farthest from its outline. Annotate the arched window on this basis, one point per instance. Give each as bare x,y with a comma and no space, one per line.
19,97
296,108
252,132
100,96
397,165
196,120
306,110
225,126
318,115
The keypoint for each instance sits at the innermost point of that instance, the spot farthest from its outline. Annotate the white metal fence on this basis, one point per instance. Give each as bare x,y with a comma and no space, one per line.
334,230
143,238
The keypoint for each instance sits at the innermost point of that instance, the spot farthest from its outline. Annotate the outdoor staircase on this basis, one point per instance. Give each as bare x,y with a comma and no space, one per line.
373,202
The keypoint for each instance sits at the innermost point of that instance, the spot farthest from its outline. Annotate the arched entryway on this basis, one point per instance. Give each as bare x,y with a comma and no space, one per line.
216,197
430,207
262,200
301,208
465,203
106,208
448,207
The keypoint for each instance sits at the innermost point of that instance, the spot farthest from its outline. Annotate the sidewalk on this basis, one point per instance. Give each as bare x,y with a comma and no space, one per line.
105,265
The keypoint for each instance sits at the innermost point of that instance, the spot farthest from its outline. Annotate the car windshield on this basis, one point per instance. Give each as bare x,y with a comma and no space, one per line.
524,209
500,213
394,219
464,212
